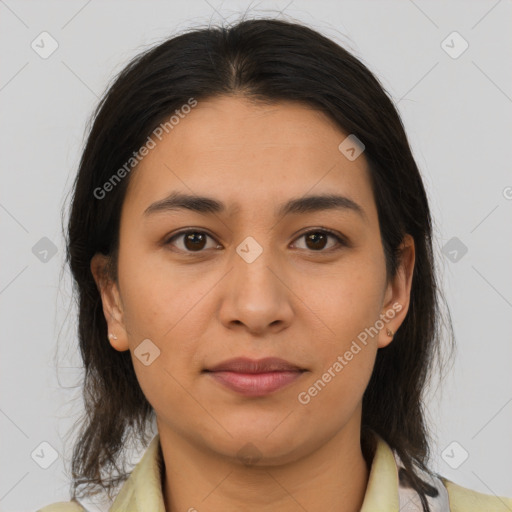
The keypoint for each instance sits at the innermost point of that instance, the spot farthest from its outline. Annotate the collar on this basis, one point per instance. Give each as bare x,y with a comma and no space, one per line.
142,491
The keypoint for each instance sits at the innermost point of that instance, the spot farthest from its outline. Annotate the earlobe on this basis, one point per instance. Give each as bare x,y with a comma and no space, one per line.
111,302
398,293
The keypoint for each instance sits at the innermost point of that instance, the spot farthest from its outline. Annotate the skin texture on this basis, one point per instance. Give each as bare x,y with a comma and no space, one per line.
302,302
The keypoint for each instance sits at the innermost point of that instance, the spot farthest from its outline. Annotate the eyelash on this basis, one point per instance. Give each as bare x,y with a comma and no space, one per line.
342,242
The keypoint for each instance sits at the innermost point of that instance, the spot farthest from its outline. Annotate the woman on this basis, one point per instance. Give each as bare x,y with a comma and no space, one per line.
251,243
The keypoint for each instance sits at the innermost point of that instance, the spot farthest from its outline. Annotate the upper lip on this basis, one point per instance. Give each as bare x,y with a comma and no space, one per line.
247,365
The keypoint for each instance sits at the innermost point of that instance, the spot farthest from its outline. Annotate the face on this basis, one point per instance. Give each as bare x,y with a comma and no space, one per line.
249,279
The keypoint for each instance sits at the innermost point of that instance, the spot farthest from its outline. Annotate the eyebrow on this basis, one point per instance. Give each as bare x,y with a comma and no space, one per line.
208,205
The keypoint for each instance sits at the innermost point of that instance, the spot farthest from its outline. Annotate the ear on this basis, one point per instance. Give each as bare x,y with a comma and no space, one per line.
111,300
398,293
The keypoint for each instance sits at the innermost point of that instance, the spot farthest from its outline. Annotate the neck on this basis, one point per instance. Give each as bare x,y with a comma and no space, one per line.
331,477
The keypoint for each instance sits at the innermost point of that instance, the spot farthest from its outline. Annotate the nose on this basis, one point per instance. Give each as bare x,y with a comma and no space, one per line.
256,295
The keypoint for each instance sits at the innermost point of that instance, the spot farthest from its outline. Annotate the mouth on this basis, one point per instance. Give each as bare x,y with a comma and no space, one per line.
251,377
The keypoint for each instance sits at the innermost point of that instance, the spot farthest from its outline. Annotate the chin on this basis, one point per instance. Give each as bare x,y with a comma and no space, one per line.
261,446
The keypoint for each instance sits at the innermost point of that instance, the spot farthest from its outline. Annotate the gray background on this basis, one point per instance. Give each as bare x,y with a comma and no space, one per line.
457,113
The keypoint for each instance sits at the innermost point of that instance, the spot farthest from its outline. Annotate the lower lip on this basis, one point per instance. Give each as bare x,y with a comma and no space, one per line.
255,384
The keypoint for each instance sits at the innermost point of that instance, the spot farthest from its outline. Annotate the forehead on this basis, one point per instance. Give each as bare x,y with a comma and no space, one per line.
249,154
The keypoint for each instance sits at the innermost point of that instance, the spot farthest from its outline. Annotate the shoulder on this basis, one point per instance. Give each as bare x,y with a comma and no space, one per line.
63,506
463,499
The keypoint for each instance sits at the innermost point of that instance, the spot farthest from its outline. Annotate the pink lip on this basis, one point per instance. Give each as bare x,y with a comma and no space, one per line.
255,377
247,365
255,384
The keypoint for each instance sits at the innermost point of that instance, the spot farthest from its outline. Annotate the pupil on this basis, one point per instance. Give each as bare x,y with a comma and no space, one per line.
197,241
194,238
314,237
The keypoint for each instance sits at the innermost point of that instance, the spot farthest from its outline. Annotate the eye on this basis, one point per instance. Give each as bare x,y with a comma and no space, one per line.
196,241
316,240
193,241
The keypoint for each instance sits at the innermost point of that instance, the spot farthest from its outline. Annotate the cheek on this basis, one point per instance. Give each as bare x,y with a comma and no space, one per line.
166,308
349,309
350,299
332,394
168,312
158,298
345,343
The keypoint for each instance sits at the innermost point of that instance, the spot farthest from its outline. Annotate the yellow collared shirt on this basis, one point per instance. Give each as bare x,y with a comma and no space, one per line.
142,491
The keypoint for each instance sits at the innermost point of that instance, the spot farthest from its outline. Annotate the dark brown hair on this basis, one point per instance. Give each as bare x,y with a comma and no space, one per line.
265,60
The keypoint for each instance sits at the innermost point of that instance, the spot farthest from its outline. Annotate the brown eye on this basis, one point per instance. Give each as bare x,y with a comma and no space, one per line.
192,241
317,240
196,241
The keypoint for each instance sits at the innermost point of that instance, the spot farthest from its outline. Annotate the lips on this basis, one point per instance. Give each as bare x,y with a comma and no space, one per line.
246,365
252,377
